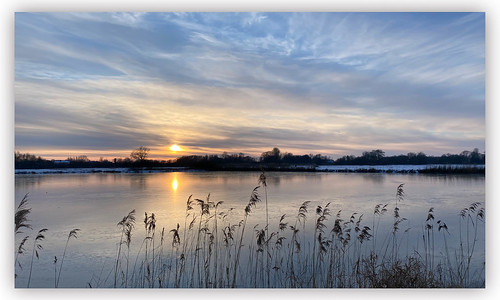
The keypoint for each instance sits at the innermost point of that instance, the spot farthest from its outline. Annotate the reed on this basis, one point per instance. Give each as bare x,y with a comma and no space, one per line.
126,225
263,182
72,234
21,221
254,199
36,247
21,216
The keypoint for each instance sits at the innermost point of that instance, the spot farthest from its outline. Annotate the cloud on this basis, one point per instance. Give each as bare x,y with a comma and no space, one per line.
253,18
329,82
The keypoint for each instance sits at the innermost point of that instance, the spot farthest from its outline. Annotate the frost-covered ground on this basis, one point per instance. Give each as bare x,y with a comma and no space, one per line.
325,168
388,168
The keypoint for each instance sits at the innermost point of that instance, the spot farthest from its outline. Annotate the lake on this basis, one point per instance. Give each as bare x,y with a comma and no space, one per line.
95,203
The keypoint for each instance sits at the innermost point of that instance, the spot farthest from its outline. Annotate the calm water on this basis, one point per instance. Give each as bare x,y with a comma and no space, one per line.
95,203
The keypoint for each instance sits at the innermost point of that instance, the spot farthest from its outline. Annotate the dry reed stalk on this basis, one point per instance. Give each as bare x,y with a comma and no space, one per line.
254,199
72,234
126,224
36,246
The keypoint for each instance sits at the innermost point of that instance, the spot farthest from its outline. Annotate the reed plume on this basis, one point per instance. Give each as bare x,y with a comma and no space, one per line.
21,215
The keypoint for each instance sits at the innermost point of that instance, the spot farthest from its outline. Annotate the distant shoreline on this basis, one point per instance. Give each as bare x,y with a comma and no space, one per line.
389,169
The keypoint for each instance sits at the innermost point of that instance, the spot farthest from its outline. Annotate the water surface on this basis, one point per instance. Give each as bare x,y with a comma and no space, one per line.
95,203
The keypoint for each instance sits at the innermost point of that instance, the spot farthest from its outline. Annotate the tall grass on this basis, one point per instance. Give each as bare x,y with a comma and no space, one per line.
21,221
126,225
215,249
36,247
72,234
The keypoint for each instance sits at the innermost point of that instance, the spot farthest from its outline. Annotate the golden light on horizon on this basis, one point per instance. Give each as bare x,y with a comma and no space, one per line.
175,148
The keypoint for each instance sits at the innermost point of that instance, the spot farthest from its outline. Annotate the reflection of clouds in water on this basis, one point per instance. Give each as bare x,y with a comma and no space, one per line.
455,179
138,181
273,180
374,178
277,178
28,181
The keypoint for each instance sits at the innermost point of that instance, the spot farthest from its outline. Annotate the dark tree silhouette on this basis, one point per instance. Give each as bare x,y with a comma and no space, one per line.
273,156
140,154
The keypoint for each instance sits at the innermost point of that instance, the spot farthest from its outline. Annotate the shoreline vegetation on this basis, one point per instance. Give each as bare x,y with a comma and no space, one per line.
216,247
375,161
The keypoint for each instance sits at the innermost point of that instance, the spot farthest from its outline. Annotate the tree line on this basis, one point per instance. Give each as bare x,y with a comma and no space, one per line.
272,158
137,158
377,157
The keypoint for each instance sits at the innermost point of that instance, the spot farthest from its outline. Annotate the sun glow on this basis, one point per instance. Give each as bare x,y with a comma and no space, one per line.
175,148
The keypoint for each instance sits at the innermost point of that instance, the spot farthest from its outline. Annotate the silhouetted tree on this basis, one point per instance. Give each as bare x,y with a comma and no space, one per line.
476,157
79,159
273,156
372,157
140,154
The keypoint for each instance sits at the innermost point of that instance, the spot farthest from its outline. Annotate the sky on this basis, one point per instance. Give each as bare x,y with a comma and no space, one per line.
102,84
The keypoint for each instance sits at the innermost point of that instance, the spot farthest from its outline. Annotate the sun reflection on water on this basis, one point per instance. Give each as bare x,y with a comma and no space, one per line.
175,184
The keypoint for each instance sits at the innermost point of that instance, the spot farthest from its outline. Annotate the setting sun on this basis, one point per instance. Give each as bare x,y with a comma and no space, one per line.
175,148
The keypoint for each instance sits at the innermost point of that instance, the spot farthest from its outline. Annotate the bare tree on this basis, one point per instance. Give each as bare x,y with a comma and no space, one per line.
140,154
